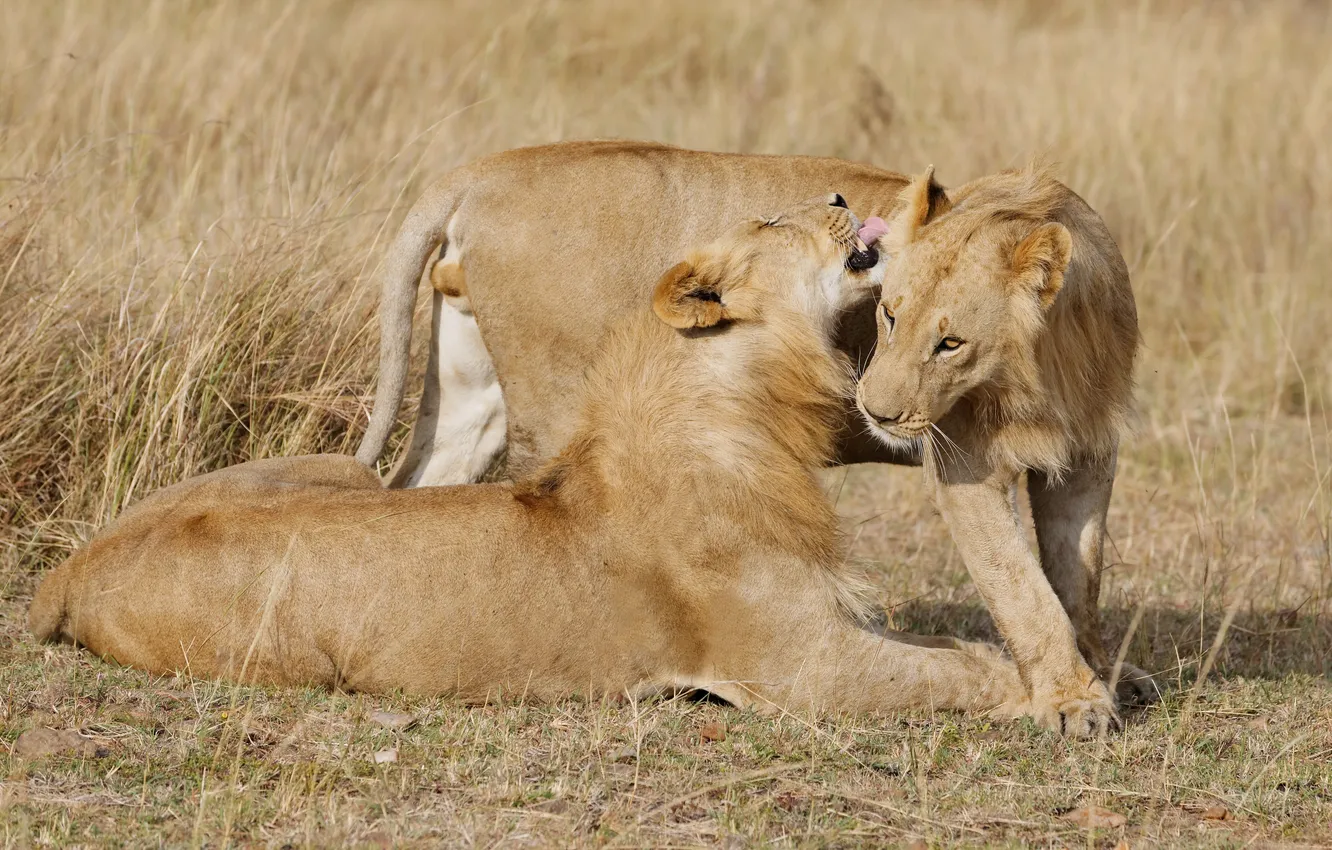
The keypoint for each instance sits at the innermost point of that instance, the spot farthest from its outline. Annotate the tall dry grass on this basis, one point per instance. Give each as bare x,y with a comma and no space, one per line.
195,198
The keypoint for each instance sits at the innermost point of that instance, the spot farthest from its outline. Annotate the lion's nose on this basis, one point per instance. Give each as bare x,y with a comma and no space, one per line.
884,419
837,201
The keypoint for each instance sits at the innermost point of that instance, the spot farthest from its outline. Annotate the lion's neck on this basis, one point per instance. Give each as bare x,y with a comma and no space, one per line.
733,423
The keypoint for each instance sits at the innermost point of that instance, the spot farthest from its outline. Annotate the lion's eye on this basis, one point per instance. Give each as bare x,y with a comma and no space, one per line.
948,343
887,315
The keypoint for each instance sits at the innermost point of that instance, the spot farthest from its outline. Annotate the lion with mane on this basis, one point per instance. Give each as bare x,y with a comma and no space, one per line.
681,540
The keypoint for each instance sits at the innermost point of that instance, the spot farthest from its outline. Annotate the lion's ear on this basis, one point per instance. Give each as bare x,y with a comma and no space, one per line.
1040,260
690,296
923,200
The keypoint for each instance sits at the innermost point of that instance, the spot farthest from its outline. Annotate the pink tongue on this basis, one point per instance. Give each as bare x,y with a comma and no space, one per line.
871,229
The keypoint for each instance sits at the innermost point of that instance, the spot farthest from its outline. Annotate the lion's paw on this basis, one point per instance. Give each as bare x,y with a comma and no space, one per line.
1085,713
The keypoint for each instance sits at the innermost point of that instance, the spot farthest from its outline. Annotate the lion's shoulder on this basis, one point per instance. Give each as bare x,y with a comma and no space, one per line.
1085,355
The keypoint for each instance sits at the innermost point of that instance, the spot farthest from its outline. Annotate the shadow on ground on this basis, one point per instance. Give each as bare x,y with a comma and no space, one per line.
1171,642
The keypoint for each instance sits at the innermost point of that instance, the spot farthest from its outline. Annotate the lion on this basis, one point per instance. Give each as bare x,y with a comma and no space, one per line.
681,540
1007,333
541,249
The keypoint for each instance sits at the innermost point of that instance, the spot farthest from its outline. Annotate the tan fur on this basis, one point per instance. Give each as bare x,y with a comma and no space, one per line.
558,242
1007,336
448,280
519,221
1045,378
681,540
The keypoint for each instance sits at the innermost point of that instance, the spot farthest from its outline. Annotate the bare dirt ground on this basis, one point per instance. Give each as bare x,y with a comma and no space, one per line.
194,201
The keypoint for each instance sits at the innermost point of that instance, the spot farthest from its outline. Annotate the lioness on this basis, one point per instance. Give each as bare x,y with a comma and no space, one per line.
542,248
681,539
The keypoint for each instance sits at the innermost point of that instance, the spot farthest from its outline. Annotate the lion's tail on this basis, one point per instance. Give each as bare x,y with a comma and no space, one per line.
422,231
50,606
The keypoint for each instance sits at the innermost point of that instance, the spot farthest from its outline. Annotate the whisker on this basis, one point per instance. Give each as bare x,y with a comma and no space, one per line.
935,471
958,453
935,446
948,444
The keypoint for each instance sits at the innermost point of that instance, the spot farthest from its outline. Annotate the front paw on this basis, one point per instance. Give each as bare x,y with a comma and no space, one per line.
1076,712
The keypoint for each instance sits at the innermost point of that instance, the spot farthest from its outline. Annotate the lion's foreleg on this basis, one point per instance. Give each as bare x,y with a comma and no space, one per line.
784,656
855,671
1066,694
1070,518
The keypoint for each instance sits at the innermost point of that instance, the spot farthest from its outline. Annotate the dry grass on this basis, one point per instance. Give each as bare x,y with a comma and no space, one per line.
194,198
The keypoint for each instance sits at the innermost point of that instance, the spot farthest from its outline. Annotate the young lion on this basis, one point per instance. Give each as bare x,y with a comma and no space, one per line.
1006,333
682,538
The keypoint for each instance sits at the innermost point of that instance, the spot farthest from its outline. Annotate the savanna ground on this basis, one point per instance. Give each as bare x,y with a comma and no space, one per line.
194,202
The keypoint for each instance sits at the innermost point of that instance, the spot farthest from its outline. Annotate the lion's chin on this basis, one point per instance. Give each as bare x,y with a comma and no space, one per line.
893,440
901,443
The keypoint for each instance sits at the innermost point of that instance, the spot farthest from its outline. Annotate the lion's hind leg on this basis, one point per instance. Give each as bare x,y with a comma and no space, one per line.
460,426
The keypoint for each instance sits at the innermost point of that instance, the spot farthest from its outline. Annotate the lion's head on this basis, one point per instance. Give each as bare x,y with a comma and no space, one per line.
1012,297
810,260
738,370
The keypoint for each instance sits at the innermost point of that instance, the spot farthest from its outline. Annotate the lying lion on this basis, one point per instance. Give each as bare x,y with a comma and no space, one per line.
681,540
542,249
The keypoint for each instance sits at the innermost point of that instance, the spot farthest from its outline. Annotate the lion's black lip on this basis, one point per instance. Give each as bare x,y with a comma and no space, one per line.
859,261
